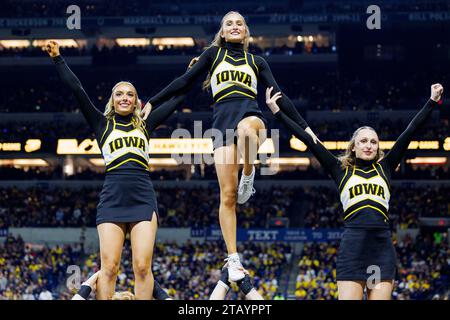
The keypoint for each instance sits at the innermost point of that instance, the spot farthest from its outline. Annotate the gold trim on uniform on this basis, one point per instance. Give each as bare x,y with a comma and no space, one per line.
363,207
343,178
353,173
217,56
235,60
107,125
253,60
365,171
234,91
125,161
383,175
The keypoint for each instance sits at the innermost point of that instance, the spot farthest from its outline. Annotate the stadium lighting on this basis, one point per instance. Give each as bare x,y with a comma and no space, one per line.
14,43
32,145
296,161
98,162
24,162
69,167
177,146
299,38
447,144
163,162
290,161
71,146
10,146
62,42
179,41
173,162
427,160
126,42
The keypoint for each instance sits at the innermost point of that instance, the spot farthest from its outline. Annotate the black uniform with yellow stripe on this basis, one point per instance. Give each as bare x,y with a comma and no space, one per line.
234,79
364,193
127,194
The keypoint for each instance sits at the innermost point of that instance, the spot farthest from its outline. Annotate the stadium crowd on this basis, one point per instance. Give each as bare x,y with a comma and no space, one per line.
191,270
34,272
322,90
207,172
187,271
127,54
311,207
197,207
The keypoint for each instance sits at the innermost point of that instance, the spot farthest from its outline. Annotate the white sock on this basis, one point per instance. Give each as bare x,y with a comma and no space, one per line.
234,256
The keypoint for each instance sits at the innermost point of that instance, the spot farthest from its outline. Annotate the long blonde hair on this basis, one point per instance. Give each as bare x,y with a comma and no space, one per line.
348,159
137,120
218,41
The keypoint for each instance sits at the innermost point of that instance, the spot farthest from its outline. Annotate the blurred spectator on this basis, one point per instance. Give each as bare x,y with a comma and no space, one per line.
191,270
311,207
324,89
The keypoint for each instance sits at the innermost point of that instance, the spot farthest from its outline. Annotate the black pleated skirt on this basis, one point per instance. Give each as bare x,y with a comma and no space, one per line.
227,114
362,251
127,196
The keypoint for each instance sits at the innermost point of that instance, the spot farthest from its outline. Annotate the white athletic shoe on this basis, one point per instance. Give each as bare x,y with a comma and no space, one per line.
235,268
246,190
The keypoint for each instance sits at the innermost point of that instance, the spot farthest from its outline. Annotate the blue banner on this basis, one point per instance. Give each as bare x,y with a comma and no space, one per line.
271,19
271,235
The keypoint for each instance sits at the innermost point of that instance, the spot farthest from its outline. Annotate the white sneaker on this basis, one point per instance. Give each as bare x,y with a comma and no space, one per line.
235,268
246,190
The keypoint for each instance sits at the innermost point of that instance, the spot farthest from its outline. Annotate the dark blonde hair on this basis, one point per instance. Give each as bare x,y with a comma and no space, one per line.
349,157
220,42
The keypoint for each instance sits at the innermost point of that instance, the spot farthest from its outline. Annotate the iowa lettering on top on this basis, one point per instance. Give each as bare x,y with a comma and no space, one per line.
128,142
367,188
234,75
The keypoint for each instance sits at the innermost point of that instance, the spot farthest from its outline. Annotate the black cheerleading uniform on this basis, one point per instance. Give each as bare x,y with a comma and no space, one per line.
364,193
234,80
127,194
